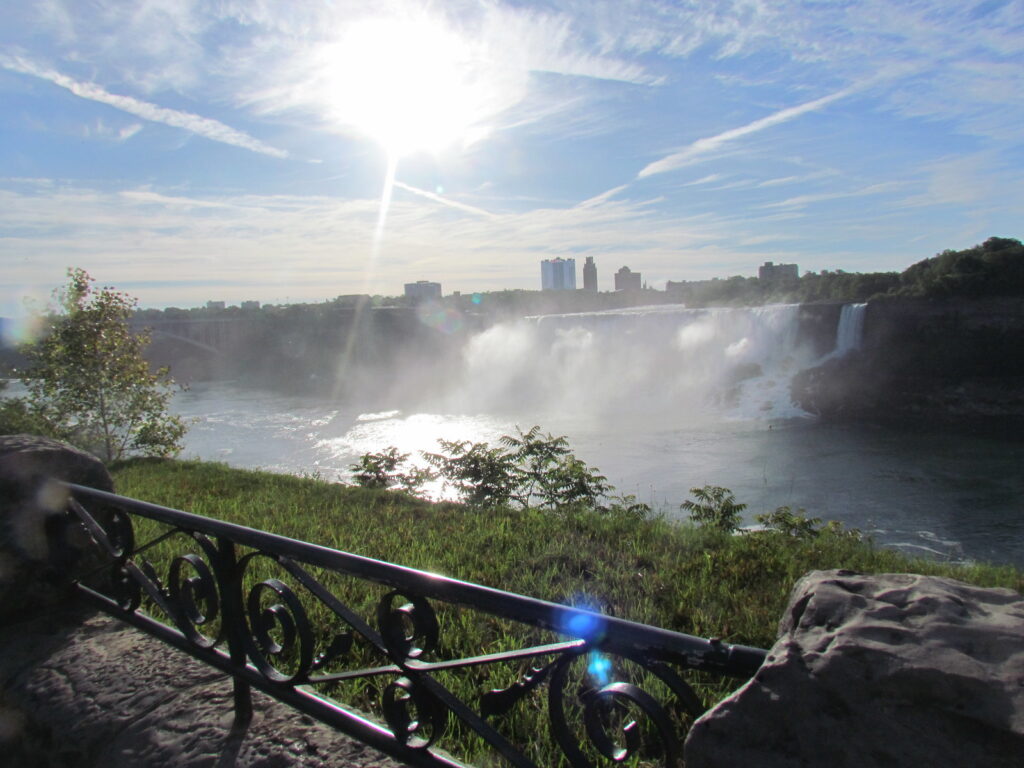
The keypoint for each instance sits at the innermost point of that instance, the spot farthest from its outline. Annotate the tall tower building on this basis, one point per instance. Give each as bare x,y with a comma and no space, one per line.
558,275
590,275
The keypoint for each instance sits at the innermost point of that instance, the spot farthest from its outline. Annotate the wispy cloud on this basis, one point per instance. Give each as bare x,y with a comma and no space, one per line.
602,198
201,126
710,144
711,177
443,200
801,201
128,131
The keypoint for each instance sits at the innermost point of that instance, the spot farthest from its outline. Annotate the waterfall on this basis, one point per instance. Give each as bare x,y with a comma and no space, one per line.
850,333
665,364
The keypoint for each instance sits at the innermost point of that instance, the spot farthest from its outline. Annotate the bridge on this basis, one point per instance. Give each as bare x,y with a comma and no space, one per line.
214,335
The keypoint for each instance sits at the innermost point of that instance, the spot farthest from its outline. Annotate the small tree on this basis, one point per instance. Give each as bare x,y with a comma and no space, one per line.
87,376
715,507
381,470
550,475
790,523
483,476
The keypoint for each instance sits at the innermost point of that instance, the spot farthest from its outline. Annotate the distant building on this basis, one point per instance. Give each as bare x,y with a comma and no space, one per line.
422,290
778,273
250,305
590,275
558,275
628,280
356,300
215,305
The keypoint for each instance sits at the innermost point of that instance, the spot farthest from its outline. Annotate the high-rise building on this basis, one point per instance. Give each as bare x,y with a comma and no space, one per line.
590,275
558,274
422,289
627,280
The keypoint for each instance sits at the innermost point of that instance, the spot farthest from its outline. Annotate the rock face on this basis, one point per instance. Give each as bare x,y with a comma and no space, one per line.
890,670
955,360
36,542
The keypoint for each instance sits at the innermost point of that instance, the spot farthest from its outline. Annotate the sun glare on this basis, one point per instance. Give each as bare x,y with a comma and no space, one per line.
410,85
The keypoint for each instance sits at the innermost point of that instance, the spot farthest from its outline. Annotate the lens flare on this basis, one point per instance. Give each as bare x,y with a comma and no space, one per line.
600,668
587,626
447,320
22,330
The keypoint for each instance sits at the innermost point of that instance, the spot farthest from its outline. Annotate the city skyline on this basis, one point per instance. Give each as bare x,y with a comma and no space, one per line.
183,151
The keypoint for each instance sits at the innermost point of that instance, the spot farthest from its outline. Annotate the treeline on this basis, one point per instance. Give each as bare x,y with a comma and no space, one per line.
993,268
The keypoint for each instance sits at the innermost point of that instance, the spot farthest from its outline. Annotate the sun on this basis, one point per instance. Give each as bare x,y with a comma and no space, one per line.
411,85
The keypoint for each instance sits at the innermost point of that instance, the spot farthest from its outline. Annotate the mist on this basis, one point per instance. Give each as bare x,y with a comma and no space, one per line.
664,365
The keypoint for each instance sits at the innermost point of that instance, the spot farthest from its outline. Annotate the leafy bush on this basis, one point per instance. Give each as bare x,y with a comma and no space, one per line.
786,521
17,417
715,507
528,469
380,470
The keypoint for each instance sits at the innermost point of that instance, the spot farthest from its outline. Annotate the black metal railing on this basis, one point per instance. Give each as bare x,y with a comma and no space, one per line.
307,624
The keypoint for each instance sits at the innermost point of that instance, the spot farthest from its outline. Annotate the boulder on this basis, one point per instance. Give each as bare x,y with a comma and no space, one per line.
883,670
38,543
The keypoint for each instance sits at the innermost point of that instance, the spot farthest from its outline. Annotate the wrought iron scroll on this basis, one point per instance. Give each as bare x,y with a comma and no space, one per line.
613,693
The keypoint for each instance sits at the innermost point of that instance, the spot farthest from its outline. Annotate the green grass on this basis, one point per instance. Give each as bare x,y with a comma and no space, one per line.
667,574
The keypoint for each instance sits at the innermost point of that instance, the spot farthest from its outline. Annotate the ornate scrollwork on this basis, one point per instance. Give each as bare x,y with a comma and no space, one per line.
497,702
279,631
120,536
415,717
612,702
195,598
617,706
124,588
408,631
339,647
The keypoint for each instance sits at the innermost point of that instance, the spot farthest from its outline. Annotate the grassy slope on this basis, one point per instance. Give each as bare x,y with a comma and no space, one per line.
676,576
671,575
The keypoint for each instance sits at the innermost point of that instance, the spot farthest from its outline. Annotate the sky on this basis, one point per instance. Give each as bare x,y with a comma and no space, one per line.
188,150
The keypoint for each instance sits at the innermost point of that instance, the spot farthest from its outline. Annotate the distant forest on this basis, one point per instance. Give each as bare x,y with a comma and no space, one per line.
994,268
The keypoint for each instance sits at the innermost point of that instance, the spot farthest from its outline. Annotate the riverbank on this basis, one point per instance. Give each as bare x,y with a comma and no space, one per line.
673,575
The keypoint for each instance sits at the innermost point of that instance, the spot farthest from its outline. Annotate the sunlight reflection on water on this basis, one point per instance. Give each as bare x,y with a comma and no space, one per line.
414,435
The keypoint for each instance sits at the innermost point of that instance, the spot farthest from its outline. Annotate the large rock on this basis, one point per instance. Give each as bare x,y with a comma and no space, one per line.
38,544
888,670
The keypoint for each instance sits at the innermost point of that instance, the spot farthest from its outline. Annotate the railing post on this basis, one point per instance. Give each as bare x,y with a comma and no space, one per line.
233,618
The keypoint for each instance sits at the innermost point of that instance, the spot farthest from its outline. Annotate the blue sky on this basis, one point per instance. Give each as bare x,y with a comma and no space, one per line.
184,150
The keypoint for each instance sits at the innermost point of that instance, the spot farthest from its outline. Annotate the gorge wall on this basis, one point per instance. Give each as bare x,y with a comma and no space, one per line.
954,360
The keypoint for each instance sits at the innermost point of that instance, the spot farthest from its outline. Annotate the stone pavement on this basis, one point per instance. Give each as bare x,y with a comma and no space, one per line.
87,691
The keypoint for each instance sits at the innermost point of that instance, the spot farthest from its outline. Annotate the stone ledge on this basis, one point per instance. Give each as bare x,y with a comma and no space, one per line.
89,692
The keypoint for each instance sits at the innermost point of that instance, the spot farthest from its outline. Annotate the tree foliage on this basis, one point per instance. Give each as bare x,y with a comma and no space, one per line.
714,507
381,470
526,469
994,268
88,380
796,524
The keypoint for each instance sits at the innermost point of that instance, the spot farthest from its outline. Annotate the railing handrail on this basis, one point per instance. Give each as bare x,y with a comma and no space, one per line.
253,657
621,634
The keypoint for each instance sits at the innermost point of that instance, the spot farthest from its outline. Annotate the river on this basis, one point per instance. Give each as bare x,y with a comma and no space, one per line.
930,493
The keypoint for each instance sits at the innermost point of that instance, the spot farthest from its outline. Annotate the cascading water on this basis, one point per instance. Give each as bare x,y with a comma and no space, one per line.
668,364
850,333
